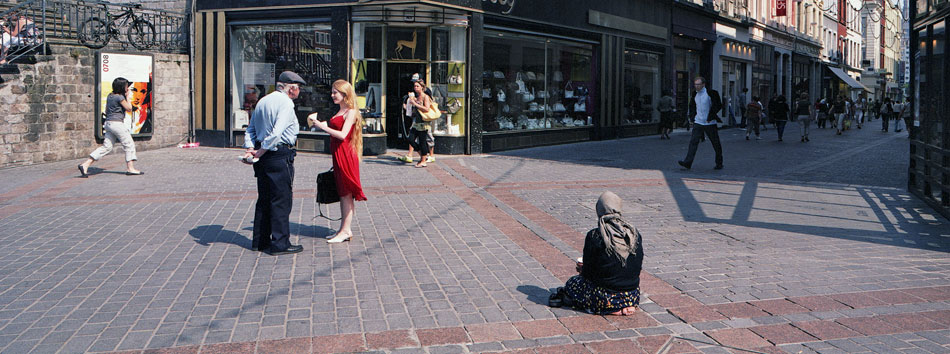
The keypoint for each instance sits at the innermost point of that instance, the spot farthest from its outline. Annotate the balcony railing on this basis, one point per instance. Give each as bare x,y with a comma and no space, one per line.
32,24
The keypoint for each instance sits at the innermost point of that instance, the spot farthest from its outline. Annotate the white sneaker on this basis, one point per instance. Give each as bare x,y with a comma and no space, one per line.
430,158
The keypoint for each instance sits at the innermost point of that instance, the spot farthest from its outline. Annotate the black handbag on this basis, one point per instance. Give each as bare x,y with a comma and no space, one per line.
361,84
326,191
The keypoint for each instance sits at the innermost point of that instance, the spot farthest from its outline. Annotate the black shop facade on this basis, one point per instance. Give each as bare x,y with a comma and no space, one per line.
507,74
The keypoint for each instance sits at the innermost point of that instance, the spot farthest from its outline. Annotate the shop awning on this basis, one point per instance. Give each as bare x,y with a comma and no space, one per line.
855,85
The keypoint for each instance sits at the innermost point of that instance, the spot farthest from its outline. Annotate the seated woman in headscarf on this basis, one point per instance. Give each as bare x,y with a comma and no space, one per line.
609,280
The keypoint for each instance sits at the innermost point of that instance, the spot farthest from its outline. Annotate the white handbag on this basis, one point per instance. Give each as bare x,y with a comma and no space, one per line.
559,107
498,75
456,77
486,93
569,90
527,96
533,107
580,106
531,75
543,94
501,95
519,79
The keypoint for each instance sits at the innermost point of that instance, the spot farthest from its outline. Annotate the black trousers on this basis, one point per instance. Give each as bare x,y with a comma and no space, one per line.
712,132
275,194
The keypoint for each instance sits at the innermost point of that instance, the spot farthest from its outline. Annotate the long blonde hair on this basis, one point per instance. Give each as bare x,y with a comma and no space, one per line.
349,100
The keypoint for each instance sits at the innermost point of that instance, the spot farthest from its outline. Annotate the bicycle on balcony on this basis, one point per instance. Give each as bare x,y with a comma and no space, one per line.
96,32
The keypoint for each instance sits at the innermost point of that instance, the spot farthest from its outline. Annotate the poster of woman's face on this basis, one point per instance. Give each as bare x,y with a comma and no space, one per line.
140,96
137,68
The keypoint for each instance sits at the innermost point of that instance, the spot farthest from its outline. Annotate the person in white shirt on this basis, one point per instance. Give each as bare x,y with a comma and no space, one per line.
704,107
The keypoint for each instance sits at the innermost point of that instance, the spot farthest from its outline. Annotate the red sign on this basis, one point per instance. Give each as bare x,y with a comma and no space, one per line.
780,7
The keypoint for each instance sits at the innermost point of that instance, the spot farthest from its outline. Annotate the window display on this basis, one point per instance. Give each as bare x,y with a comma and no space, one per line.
535,83
641,86
260,53
368,75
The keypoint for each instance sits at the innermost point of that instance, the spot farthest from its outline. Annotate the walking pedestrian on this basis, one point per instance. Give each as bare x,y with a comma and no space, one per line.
898,116
822,108
860,107
886,110
754,117
906,115
416,103
609,279
805,112
743,102
839,111
430,139
117,104
780,115
876,108
270,137
704,107
346,146
665,107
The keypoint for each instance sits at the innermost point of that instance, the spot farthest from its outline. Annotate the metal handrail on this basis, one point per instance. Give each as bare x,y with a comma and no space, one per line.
60,21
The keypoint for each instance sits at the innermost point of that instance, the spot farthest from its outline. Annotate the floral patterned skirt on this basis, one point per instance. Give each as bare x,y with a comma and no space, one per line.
593,299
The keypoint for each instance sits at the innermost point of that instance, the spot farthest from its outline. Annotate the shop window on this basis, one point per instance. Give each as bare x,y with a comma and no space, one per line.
406,43
641,86
367,76
535,83
260,53
938,84
448,77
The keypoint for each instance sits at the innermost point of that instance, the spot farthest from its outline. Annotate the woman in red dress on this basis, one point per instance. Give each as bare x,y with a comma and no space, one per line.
346,146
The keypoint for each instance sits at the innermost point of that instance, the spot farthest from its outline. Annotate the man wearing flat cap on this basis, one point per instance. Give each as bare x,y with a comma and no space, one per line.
271,136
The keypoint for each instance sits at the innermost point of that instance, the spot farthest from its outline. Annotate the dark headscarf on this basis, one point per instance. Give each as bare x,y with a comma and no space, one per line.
620,238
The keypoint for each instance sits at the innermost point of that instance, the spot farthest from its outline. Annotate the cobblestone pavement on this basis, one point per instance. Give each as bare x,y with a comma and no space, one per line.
793,247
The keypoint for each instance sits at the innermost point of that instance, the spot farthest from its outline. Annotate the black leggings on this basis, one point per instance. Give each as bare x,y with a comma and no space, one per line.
417,138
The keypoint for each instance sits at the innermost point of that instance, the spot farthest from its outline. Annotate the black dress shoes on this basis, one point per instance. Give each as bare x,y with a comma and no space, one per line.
292,249
684,164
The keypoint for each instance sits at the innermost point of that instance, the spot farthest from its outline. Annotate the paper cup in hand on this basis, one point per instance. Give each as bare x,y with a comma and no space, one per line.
312,118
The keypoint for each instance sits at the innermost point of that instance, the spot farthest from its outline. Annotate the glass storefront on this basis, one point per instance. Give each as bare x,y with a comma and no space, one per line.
259,53
641,85
733,81
686,63
534,82
937,135
386,57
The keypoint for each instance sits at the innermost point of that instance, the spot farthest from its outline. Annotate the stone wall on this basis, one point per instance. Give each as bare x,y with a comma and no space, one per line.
49,107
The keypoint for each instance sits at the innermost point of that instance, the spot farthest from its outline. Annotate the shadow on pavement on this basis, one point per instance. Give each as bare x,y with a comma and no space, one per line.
535,293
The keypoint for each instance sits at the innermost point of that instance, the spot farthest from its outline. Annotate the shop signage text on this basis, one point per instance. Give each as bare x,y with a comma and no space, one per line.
506,5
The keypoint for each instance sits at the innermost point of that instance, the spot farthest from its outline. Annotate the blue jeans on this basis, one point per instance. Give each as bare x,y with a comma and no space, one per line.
780,125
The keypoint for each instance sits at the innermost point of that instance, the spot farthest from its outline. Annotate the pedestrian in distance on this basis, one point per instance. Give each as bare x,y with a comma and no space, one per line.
839,111
271,137
898,116
780,115
805,113
887,109
704,106
430,139
906,115
418,102
743,102
753,118
665,107
609,279
117,104
346,146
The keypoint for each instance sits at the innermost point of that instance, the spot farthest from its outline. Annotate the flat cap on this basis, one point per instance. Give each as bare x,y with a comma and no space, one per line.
289,77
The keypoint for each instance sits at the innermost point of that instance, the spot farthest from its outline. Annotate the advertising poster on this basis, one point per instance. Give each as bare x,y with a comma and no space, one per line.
137,68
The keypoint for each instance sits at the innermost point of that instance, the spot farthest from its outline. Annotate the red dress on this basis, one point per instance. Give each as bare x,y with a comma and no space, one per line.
346,163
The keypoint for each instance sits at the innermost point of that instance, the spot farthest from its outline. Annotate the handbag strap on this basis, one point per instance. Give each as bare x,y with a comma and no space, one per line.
321,215
456,70
569,86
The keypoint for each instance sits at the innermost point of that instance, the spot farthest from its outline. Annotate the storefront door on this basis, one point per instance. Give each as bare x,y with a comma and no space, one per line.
398,85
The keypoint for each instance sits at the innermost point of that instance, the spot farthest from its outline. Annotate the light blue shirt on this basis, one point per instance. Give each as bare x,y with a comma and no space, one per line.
703,104
272,123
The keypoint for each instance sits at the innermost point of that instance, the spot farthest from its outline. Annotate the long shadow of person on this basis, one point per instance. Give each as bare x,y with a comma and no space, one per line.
208,234
535,293
304,230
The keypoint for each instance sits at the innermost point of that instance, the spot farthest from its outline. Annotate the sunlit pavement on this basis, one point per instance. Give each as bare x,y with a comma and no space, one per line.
792,247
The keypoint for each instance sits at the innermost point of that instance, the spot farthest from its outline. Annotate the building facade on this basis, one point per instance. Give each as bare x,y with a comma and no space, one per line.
506,74
929,168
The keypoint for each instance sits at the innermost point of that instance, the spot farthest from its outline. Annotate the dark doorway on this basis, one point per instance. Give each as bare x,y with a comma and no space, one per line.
398,85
